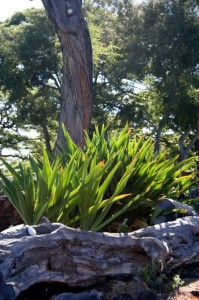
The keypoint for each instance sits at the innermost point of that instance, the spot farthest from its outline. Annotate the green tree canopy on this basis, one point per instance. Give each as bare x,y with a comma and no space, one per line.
31,71
160,46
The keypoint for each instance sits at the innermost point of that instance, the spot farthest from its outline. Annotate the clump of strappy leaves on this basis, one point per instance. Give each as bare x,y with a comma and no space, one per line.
112,184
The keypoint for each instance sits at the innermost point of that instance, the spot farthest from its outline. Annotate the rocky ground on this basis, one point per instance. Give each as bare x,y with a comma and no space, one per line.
189,291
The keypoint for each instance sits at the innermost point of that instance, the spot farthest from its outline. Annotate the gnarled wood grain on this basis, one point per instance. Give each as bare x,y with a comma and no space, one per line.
81,258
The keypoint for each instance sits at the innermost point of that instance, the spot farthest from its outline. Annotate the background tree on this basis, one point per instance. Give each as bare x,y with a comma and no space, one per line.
31,72
145,69
29,84
160,41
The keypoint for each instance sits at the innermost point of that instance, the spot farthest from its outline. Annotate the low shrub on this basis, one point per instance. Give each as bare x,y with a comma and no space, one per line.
115,180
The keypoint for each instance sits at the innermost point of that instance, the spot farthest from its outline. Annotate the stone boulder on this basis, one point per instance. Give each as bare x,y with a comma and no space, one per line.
165,209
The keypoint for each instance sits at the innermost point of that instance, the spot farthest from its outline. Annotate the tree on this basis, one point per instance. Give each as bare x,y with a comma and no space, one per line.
32,78
29,84
76,91
101,20
160,41
8,127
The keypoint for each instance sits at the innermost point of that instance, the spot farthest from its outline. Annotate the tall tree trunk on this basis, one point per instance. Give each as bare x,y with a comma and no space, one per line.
184,150
46,136
157,139
76,108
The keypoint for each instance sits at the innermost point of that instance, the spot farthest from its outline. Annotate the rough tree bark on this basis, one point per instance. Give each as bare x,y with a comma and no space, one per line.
46,135
157,139
76,91
184,150
81,258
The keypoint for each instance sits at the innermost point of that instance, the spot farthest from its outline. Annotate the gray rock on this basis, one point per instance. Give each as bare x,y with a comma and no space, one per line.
169,204
44,226
147,295
78,296
123,297
6,290
194,193
194,196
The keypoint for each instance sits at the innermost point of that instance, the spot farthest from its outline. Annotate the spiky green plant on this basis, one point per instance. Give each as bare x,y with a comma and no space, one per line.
150,176
29,189
62,193
114,178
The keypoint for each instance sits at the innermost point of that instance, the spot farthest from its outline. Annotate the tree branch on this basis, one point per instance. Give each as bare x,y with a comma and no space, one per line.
81,258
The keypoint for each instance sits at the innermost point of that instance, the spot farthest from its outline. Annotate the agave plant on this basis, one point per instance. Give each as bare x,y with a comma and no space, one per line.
113,179
61,193
29,189
142,175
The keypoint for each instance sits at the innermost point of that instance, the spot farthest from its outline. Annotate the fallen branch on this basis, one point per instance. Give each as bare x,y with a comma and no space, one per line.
80,258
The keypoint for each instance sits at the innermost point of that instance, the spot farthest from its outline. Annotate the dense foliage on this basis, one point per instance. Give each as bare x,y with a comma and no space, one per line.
117,180
30,76
145,72
160,47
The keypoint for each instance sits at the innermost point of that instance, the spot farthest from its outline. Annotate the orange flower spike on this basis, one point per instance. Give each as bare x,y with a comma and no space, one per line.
129,131
102,163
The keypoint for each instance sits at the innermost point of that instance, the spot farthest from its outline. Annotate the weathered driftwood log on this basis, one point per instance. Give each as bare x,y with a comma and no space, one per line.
81,258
